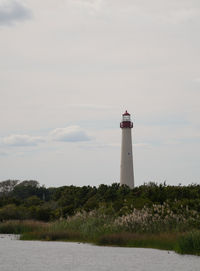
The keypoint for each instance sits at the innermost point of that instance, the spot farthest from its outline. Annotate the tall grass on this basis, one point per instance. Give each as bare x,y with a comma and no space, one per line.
159,218
156,227
89,225
21,226
48,235
165,241
189,243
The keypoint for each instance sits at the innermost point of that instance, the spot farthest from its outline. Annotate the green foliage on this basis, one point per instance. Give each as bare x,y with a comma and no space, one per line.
160,241
32,201
11,211
94,227
89,225
27,189
29,200
19,227
189,243
7,186
150,215
47,235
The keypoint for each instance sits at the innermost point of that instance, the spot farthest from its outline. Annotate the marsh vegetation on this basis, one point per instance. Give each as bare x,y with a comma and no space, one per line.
156,216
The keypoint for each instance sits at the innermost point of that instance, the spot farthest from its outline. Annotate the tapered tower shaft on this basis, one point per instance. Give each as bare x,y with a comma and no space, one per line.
126,172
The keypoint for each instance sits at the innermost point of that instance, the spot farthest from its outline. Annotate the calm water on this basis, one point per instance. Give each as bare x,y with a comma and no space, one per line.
18,255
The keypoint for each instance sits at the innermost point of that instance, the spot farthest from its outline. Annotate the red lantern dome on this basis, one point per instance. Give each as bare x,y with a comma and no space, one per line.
126,121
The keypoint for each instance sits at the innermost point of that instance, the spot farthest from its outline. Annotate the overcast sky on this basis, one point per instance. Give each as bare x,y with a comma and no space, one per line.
70,68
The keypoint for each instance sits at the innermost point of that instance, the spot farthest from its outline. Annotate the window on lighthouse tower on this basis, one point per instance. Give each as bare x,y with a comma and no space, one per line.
126,118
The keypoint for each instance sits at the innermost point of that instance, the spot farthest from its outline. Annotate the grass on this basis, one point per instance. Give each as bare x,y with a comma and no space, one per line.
91,232
189,243
51,236
165,241
134,230
94,232
20,226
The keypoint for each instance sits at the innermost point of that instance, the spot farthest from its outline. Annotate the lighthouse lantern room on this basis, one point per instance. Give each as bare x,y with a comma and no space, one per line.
126,121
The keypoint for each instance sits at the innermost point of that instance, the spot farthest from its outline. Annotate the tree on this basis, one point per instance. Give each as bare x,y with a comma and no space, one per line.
7,186
27,189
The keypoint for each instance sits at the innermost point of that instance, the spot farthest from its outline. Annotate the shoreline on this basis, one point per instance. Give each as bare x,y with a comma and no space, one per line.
142,241
180,242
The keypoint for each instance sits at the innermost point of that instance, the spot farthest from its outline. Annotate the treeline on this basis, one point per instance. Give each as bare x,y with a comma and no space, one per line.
28,200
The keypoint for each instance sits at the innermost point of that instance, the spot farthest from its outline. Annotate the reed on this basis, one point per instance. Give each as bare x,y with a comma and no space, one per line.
89,225
159,218
157,227
21,226
48,235
189,243
165,241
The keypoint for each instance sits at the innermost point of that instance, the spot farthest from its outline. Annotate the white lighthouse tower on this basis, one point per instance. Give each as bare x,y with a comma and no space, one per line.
126,173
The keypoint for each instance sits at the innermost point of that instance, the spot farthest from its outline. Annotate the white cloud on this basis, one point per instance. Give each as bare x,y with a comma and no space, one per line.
69,134
21,140
12,11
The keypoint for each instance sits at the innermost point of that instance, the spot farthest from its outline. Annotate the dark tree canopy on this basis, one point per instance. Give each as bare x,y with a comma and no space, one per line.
29,200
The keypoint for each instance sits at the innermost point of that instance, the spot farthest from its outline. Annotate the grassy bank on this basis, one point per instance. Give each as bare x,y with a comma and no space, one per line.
159,228
189,243
21,227
62,231
165,241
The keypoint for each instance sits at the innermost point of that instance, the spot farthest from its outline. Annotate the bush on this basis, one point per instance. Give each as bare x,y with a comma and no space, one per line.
11,211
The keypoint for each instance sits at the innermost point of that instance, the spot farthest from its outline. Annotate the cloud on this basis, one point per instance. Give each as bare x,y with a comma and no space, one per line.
21,140
12,11
70,134
67,134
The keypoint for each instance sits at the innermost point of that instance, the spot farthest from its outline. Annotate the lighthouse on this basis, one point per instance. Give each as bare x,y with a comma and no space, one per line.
126,171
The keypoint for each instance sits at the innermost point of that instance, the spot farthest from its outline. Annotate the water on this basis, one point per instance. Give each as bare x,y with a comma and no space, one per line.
16,255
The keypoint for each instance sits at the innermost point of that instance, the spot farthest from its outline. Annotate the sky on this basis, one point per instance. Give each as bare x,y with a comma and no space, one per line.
68,71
